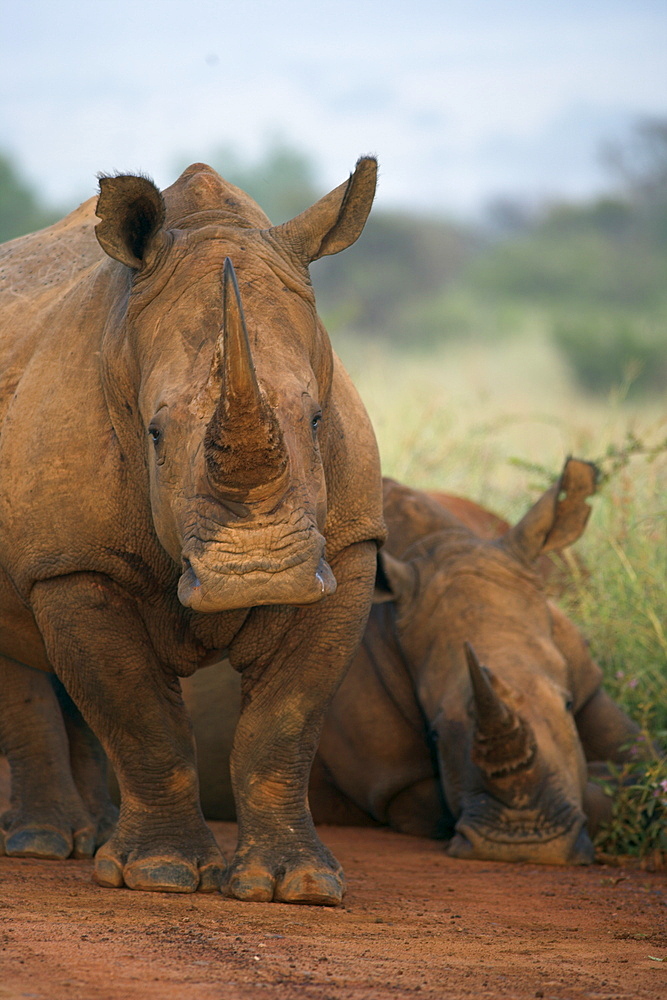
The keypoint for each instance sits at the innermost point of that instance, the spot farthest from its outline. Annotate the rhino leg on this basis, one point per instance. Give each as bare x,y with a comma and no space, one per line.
605,731
47,818
99,647
279,855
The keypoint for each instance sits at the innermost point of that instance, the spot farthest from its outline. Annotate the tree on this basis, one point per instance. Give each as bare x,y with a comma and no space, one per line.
21,211
641,162
283,181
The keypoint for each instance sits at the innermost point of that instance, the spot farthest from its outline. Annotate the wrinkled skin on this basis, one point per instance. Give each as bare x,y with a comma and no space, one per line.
402,743
185,469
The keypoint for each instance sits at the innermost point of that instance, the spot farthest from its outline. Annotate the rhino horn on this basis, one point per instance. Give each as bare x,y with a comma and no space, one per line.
503,743
245,450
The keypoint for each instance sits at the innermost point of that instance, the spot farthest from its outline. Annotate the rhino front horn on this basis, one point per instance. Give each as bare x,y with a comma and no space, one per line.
491,713
246,457
503,742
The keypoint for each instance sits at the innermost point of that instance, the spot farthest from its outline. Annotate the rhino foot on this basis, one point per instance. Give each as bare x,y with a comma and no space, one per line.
198,866
252,878
54,834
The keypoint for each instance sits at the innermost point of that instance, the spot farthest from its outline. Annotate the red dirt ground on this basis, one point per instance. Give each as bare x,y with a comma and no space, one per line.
414,923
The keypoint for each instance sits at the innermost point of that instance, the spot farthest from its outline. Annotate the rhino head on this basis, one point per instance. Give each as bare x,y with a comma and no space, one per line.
219,379
500,675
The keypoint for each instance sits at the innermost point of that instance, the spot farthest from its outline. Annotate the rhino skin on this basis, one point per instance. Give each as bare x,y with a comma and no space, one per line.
420,735
185,469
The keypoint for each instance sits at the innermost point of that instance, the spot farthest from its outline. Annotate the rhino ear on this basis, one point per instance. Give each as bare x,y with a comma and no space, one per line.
132,211
558,518
395,580
335,221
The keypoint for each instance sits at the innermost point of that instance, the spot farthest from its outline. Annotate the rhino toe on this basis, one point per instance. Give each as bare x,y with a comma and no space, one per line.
308,885
38,842
161,875
251,884
108,872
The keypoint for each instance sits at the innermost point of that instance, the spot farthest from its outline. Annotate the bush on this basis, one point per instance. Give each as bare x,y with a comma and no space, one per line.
606,350
638,824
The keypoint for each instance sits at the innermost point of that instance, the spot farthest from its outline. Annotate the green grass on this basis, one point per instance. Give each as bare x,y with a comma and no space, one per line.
494,423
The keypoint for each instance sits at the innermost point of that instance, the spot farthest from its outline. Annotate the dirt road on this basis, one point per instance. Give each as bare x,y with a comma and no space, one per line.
414,923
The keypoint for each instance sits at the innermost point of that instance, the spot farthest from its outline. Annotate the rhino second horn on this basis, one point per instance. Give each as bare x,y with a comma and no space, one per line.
503,743
245,449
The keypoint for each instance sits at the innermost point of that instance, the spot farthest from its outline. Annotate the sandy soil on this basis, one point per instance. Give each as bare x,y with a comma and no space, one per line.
414,923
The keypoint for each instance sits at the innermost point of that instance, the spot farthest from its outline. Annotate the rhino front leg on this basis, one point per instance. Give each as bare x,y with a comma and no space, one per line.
47,818
605,731
279,855
99,647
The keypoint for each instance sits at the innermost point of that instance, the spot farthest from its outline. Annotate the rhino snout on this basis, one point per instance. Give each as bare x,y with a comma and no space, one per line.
210,591
524,841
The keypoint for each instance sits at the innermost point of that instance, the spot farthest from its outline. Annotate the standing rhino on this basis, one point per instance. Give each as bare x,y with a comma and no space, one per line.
185,469
424,738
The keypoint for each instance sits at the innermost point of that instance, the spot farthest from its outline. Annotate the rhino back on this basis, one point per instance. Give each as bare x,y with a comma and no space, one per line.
53,257
36,272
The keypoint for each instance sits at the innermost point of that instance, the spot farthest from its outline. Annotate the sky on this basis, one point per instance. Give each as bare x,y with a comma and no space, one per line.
462,102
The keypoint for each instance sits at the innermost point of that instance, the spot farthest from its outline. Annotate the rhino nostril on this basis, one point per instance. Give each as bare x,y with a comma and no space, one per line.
187,569
460,847
325,578
583,852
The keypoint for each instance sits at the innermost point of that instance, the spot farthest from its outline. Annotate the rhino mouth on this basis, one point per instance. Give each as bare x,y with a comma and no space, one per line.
225,589
489,830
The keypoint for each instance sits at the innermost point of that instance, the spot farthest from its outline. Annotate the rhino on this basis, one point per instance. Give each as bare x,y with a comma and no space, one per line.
473,705
185,470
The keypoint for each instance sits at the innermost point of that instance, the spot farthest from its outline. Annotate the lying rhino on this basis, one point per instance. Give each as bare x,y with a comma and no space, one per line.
178,480
421,735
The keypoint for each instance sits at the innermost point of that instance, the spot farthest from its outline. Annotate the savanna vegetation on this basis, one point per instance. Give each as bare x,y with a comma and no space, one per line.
488,352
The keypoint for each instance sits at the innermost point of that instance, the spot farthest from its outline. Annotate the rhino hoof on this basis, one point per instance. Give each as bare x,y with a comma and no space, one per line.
317,888
460,847
108,872
38,843
211,877
161,876
84,845
251,887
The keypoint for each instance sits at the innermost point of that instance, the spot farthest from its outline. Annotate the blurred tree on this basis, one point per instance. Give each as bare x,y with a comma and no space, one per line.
391,283
596,271
20,209
641,163
283,180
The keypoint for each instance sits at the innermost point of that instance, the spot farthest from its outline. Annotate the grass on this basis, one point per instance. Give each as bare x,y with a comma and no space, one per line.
494,423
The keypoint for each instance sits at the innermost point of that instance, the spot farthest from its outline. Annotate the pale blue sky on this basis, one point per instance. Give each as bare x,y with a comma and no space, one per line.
460,100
